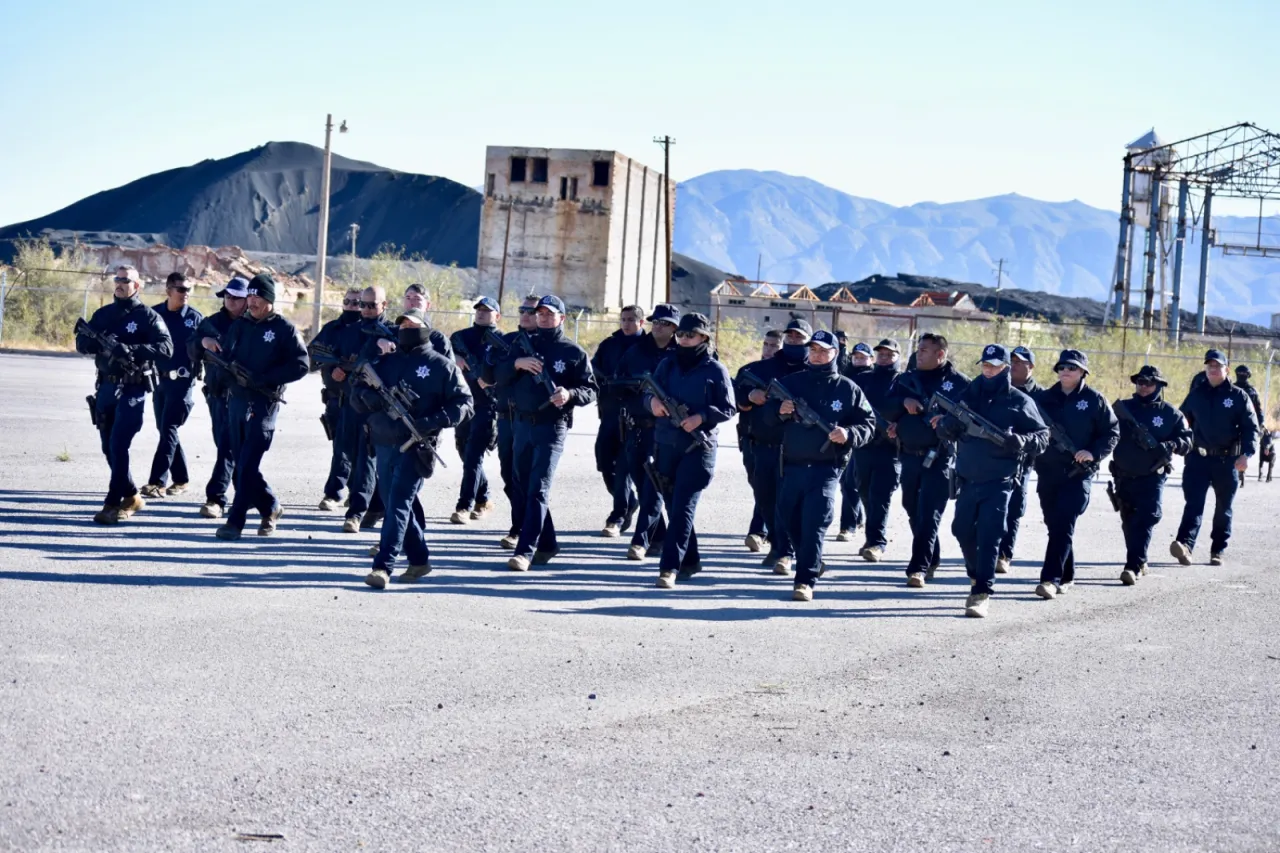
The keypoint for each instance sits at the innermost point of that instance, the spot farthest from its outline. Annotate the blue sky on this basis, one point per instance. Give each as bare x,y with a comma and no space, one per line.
931,100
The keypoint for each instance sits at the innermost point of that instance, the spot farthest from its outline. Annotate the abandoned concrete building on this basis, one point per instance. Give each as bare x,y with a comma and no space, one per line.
588,226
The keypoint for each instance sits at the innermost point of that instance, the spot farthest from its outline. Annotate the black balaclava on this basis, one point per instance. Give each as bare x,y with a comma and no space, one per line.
687,357
793,353
413,338
830,367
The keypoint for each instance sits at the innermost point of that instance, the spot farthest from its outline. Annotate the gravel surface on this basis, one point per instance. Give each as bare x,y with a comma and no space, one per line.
162,690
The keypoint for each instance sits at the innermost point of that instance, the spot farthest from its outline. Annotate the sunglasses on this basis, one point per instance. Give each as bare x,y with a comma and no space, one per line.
369,305
351,302
524,310
687,335
123,280
1144,383
180,289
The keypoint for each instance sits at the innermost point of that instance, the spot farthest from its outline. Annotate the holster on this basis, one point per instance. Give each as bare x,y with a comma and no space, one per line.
1113,496
953,484
92,400
328,426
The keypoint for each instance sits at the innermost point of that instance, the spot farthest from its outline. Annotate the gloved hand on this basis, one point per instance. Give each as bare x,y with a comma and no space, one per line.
122,352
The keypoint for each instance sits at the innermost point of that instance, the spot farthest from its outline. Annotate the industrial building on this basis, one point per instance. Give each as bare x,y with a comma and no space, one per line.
588,226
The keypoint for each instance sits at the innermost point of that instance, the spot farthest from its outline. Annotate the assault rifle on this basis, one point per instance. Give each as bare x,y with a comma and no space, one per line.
238,372
524,346
396,401
107,343
460,350
804,412
912,385
676,411
1058,438
493,339
974,424
1145,439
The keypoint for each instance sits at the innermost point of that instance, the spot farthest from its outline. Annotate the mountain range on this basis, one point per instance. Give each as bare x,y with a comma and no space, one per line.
796,229
800,231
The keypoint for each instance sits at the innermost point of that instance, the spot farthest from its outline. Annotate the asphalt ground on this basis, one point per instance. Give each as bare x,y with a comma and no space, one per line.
162,690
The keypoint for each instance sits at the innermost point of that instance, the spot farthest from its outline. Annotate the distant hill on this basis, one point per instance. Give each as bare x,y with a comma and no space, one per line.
267,200
800,231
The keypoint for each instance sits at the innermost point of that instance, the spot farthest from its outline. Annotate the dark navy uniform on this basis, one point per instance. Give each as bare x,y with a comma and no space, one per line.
926,460
1224,426
1018,500
477,434
333,395
879,469
504,409
644,357
172,401
120,401
766,444
1063,487
985,472
852,514
610,460
811,464
272,352
539,431
1139,472
443,401
683,467
217,387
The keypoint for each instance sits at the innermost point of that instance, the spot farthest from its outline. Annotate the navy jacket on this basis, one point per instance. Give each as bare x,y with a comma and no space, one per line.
605,364
472,339
1221,417
1089,422
330,335
914,431
853,371
641,358
876,384
271,350
443,399
382,329
1031,386
838,400
1247,388
214,326
1165,424
134,325
768,433
564,361
492,358
982,461
182,327
704,388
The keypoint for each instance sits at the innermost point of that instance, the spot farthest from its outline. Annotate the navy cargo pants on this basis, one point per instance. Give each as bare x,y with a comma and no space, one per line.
807,504
1200,474
506,468
224,463
1062,501
925,492
119,410
1140,511
1017,509
536,450
404,526
684,476
758,525
363,480
476,436
979,527
651,524
765,485
253,426
879,472
171,404
340,456
851,513
611,463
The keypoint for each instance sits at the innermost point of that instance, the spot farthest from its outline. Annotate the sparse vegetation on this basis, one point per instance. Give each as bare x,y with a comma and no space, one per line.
64,456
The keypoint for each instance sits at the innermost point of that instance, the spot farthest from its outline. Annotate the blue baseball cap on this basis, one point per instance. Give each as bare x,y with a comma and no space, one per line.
665,313
1216,355
555,303
799,325
862,348
1025,355
487,302
824,339
1072,358
238,287
994,354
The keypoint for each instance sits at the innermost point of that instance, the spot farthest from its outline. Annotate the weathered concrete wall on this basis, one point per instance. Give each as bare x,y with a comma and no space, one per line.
590,245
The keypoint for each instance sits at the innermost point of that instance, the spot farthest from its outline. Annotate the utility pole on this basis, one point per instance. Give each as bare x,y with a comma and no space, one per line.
322,245
355,229
999,283
666,142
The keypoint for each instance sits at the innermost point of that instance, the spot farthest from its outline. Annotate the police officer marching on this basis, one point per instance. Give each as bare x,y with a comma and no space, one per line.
1087,432
639,424
504,410
685,454
266,353
217,386
1225,434
815,452
434,397
172,400
758,527
852,516
480,433
1002,426
125,338
1152,432
926,459
333,396
545,387
610,461
879,470
1022,362
766,439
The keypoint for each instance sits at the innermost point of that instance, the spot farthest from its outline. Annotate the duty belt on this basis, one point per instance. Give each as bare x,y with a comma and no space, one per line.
180,373
1226,451
922,452
537,417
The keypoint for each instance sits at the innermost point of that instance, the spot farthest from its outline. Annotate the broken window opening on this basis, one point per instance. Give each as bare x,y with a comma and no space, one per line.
564,189
600,173
489,184
573,189
539,170
518,166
